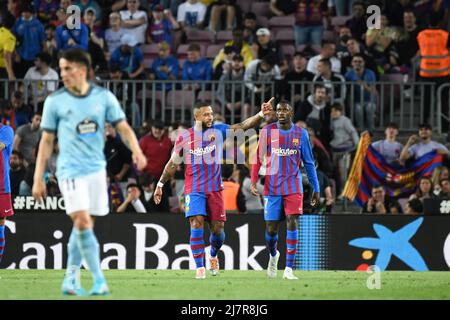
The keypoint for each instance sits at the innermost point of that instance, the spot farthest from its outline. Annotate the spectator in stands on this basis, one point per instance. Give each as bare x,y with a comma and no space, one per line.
17,171
414,207
379,202
71,38
282,8
224,66
439,173
308,27
30,35
129,57
416,148
195,67
121,88
328,51
22,110
250,27
224,8
134,20
357,23
316,112
44,79
46,9
240,47
424,190
165,67
161,26
445,188
191,14
7,47
264,46
7,116
354,47
26,139
407,45
321,154
298,73
345,140
96,33
233,198
363,82
253,204
334,82
118,156
134,202
226,92
50,43
389,148
65,4
113,33
84,5
341,47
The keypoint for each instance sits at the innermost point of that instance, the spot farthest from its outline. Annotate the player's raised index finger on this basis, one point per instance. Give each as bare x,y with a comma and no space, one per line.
271,100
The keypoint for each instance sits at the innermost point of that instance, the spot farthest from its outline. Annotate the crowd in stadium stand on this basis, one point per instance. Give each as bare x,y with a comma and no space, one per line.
325,42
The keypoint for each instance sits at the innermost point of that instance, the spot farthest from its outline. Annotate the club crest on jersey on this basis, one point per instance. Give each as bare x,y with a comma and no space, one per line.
211,138
295,142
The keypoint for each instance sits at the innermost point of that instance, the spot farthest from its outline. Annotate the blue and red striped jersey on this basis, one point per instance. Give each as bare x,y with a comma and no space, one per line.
281,152
7,138
202,153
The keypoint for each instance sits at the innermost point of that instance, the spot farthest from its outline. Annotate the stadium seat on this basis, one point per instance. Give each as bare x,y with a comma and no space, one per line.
261,9
339,21
213,50
180,99
285,36
245,5
150,50
329,36
285,21
288,51
148,62
224,36
262,21
204,37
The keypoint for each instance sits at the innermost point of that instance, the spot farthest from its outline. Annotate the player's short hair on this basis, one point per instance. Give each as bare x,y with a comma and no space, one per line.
78,56
326,61
284,102
337,106
201,104
18,154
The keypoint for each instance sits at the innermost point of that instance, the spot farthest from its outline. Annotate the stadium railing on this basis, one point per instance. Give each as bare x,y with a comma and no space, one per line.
402,102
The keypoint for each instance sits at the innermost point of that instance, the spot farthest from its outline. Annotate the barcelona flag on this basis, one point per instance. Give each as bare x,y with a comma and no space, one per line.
370,168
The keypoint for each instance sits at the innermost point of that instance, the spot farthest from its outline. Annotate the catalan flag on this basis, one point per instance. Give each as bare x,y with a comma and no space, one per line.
370,168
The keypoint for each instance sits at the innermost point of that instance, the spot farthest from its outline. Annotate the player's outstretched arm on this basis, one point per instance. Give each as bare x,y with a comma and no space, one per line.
45,150
130,140
169,172
266,108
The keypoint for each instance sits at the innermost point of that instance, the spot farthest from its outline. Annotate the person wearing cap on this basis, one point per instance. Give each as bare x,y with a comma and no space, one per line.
161,26
31,37
134,21
165,67
240,46
296,74
113,33
129,57
419,145
389,148
71,38
44,80
93,5
264,46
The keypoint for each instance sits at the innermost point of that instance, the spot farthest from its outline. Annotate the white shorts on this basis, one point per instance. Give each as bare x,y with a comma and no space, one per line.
88,193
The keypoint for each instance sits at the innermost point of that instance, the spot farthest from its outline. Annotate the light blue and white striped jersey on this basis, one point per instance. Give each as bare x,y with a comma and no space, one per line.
79,123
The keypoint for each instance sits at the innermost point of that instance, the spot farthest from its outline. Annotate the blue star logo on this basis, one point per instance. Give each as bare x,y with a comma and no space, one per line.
396,243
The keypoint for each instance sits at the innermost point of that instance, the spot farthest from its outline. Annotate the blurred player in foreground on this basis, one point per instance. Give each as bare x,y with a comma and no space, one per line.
201,149
6,209
281,148
77,114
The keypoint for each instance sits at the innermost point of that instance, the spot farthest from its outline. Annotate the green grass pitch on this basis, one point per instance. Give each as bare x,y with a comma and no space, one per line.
231,285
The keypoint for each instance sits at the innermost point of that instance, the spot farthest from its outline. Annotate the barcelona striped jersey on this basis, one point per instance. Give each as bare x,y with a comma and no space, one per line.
281,153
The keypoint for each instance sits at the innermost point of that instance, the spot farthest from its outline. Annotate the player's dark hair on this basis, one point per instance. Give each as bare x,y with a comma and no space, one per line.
337,106
284,102
326,61
200,104
78,56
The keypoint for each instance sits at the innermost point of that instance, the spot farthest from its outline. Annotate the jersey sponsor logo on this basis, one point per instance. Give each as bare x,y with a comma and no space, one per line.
87,128
284,152
201,151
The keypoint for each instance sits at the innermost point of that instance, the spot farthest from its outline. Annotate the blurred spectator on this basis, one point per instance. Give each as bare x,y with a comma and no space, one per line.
345,140
424,189
118,156
17,171
308,27
129,57
264,46
341,7
232,193
65,4
253,204
239,47
354,47
297,73
438,10
414,207
224,8
379,202
357,23
44,80
120,88
30,35
224,66
416,148
439,173
196,67
22,111
96,33
46,9
7,116
26,139
282,8
191,14
161,26
364,92
134,202
334,82
50,43
115,194
328,51
165,67
148,185
71,38
407,45
389,148
84,5
445,188
226,91
134,20
341,48
14,8
113,34
250,27
321,154
316,112
7,47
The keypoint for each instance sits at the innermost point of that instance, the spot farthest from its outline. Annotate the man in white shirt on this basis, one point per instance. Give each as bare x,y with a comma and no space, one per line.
44,79
134,20
191,14
114,32
328,51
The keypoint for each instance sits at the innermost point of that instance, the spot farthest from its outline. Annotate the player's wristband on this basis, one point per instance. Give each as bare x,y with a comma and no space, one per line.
160,184
261,114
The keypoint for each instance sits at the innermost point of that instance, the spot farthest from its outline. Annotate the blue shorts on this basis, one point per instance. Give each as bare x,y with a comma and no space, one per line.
209,204
277,207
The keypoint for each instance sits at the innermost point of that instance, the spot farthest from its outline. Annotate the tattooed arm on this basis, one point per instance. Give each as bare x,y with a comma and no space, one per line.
169,172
